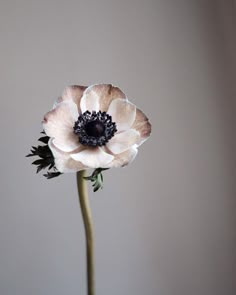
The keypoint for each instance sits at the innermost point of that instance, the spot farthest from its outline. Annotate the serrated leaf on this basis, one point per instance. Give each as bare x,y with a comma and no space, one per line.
46,159
96,178
51,175
37,162
44,139
91,178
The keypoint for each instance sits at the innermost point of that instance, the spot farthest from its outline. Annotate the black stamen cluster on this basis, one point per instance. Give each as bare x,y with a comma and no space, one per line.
94,129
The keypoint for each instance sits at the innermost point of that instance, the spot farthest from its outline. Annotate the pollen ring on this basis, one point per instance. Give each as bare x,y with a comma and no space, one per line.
94,129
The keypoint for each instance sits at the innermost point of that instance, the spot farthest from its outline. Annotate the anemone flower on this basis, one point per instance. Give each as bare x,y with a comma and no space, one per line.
94,127
90,127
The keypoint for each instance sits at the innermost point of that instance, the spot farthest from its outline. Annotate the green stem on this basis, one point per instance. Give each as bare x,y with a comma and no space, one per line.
88,226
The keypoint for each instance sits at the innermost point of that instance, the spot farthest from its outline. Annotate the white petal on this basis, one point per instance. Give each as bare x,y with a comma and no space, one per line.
71,93
124,158
123,113
123,141
67,142
57,102
89,101
142,125
63,162
93,157
59,123
106,93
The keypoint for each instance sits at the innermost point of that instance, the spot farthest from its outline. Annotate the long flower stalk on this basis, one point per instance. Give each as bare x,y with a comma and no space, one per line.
88,226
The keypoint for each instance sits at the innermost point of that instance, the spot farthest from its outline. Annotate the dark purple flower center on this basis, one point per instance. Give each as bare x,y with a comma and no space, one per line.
94,129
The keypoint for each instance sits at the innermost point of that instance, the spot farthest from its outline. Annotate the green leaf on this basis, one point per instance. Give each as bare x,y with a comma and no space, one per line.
37,162
96,178
44,139
51,175
46,159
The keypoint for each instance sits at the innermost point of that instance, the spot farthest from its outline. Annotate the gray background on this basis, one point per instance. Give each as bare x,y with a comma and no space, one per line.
165,225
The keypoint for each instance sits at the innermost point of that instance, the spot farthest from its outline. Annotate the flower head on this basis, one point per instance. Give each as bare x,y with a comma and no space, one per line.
94,127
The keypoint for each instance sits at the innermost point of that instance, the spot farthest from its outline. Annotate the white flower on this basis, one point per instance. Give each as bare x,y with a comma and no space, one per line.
94,127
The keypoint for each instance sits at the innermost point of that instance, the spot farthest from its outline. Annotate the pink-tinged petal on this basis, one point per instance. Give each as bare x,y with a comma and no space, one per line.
124,158
123,113
63,162
106,93
123,141
142,125
93,157
59,124
74,93
71,93
89,101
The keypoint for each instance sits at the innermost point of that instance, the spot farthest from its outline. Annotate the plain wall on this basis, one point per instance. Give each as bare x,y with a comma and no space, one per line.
165,225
